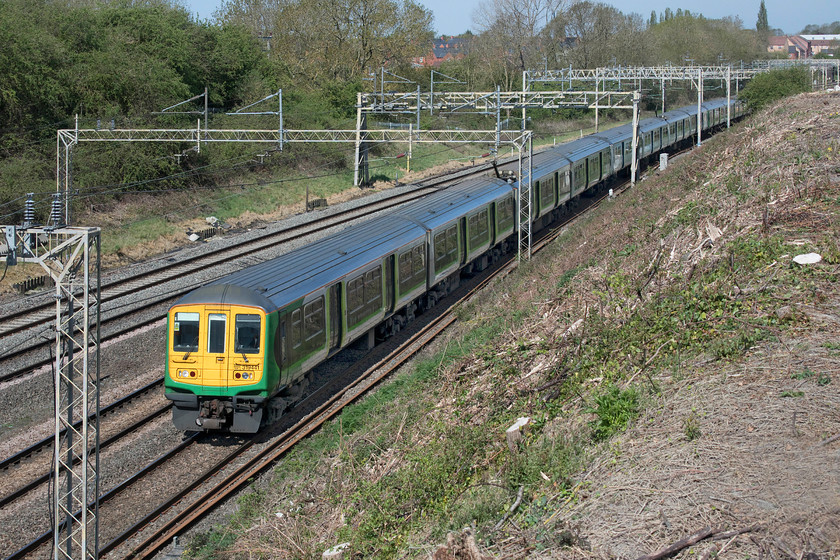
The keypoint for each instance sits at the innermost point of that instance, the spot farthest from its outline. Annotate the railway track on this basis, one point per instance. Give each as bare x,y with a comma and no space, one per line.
188,505
123,298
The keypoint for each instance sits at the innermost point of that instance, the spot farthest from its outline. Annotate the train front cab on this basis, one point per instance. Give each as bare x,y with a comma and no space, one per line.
219,366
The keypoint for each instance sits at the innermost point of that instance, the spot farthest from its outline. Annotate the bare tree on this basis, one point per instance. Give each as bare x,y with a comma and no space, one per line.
603,35
515,26
336,39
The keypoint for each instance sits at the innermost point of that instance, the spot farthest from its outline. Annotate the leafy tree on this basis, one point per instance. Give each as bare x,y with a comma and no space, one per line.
701,40
118,60
652,20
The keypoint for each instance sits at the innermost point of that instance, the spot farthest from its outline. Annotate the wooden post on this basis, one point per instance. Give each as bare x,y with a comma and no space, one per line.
514,433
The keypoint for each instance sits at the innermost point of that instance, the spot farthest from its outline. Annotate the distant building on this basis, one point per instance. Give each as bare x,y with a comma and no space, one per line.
822,43
803,46
443,48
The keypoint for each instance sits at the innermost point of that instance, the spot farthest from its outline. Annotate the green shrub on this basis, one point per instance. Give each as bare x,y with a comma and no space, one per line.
772,86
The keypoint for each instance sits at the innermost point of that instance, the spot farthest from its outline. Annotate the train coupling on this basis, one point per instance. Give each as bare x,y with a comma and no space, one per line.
214,415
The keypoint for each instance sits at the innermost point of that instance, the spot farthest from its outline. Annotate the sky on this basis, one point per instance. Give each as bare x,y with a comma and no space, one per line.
456,16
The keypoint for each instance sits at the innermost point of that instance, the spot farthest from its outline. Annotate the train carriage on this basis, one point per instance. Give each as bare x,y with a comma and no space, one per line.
621,145
463,224
589,156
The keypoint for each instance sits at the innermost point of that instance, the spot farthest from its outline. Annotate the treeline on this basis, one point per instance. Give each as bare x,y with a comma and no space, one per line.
105,62
822,29
526,34
120,61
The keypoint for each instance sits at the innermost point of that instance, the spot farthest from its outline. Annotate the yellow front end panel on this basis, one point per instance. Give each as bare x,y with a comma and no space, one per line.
216,345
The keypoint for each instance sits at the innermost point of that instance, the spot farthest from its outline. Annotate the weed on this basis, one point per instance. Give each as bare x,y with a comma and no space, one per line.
806,374
614,409
792,394
691,427
567,277
823,379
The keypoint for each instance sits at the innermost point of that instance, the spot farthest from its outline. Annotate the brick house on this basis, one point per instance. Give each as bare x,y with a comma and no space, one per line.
803,46
443,48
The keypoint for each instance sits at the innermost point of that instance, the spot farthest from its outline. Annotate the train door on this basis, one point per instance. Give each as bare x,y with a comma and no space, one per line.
463,233
335,317
390,294
218,354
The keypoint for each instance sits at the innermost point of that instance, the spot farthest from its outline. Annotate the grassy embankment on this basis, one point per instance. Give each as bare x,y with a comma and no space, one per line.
678,283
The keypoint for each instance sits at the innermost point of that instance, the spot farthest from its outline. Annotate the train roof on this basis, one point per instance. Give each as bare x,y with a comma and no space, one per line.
226,294
650,123
582,147
616,134
676,115
714,103
550,160
446,205
291,276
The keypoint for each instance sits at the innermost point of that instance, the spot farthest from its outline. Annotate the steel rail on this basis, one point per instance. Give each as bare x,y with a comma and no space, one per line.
46,537
43,479
46,442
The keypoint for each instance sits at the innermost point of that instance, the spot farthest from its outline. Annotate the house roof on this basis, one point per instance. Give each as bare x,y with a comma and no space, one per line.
827,38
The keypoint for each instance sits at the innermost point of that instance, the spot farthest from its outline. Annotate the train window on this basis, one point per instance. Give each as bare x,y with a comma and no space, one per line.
412,269
605,163
594,168
373,289
247,337
406,270
546,187
364,293
479,233
419,257
216,333
313,320
564,186
280,354
504,211
579,175
355,293
446,248
440,249
297,328
185,332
